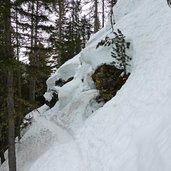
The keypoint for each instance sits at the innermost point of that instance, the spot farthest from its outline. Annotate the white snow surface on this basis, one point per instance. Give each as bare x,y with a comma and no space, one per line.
132,132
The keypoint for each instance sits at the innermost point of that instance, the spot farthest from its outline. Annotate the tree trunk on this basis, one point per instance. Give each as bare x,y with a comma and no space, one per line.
61,21
11,122
96,18
112,3
19,118
10,91
103,11
32,89
32,85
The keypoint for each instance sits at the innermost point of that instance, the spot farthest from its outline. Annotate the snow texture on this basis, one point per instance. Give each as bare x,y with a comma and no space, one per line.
132,132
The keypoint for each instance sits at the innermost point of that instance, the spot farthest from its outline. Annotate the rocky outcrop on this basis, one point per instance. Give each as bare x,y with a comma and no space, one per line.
53,100
108,80
61,82
54,95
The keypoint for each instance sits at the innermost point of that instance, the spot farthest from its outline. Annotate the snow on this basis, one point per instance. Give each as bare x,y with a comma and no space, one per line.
131,132
66,71
65,158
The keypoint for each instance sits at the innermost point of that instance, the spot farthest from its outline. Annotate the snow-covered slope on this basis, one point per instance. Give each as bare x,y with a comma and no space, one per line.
132,132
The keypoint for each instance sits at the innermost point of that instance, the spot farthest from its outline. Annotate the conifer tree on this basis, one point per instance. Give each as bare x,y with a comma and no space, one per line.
72,32
13,35
36,13
9,57
119,50
96,17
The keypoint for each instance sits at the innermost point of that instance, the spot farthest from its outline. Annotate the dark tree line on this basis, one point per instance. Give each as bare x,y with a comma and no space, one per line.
20,83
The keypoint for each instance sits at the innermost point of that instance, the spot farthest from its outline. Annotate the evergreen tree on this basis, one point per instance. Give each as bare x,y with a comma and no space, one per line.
9,61
72,32
96,17
103,12
15,29
119,48
36,13
119,51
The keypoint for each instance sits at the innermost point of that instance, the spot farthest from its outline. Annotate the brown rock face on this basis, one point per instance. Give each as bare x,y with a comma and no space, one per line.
108,80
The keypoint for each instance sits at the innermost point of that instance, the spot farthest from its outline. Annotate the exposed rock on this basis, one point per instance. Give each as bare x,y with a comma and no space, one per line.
61,82
108,80
53,101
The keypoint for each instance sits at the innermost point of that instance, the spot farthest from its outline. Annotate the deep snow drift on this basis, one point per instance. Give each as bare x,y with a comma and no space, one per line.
132,132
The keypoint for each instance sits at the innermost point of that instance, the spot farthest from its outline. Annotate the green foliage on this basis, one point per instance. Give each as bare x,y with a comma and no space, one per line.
72,31
40,70
106,42
18,36
119,47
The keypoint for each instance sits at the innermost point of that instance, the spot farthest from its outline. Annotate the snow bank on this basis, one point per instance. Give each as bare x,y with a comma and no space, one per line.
132,132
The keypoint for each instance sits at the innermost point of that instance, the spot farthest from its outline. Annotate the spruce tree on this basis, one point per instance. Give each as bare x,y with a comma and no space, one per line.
72,30
36,13
15,29
119,48
8,52
122,60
